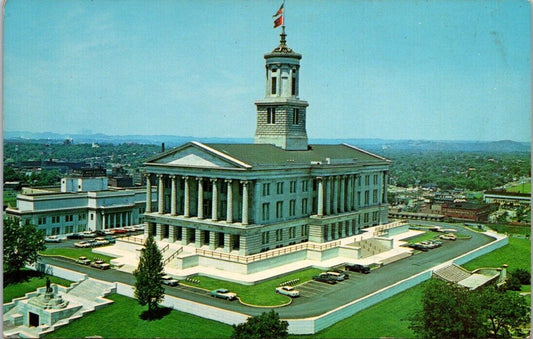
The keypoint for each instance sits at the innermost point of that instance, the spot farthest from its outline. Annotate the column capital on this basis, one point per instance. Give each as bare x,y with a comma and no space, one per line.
213,179
160,176
199,178
147,175
173,177
228,180
245,182
185,177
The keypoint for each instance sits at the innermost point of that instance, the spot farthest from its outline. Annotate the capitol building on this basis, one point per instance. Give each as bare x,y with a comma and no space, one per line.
231,206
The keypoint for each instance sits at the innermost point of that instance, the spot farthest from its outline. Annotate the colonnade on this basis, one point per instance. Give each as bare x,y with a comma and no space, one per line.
117,219
188,195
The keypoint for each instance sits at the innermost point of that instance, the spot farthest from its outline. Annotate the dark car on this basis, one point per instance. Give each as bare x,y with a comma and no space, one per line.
419,247
75,236
100,233
326,278
358,268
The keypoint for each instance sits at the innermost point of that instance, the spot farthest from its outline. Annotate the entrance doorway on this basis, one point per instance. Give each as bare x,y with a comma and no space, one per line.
34,319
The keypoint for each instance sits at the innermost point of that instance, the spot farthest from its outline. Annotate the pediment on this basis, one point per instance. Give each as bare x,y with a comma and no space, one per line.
196,155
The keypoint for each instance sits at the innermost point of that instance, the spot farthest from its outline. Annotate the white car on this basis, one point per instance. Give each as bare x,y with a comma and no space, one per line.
288,290
448,236
52,238
82,244
224,294
168,280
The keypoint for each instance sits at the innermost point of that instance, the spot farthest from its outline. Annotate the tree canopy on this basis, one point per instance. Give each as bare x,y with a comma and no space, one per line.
22,244
148,275
449,311
264,326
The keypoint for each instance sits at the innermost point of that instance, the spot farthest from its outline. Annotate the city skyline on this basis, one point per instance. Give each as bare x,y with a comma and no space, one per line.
370,69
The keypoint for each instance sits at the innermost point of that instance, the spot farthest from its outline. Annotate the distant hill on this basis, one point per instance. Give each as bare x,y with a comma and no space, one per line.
373,145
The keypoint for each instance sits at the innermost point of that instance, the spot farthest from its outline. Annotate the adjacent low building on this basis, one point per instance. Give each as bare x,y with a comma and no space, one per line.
83,202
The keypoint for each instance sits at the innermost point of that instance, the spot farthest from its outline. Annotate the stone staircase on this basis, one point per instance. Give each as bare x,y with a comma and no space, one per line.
370,247
452,273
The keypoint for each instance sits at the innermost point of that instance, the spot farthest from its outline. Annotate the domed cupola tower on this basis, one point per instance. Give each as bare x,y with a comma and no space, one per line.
281,114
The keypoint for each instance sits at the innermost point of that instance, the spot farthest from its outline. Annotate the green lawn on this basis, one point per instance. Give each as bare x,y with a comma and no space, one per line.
122,319
517,254
385,319
521,188
261,294
33,281
514,229
74,253
428,235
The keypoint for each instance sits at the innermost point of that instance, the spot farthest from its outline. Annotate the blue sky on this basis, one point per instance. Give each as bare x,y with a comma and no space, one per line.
394,69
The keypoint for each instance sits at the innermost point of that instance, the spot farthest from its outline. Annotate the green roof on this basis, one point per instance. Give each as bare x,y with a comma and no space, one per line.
268,155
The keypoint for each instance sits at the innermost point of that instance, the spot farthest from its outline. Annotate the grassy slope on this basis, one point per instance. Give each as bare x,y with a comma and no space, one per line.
33,282
122,319
517,254
261,294
74,253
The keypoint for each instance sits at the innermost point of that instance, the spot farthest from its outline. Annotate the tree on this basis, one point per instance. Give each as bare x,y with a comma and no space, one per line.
22,244
447,311
264,326
148,275
505,311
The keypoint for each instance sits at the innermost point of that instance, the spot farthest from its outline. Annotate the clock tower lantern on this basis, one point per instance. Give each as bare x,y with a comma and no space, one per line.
281,114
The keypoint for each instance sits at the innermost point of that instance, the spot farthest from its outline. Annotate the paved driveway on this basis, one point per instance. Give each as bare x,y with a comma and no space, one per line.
317,298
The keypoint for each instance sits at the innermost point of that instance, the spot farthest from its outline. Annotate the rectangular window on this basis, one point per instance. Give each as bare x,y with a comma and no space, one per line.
69,229
366,218
279,188
266,189
92,216
42,220
375,196
69,218
266,211
375,180
292,186
55,219
274,84
358,199
367,180
265,238
279,235
279,209
303,230
295,115
271,115
304,206
375,216
292,232
305,186
292,208
367,198
293,86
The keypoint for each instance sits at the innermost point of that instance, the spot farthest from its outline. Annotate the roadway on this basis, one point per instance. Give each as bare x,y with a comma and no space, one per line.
317,298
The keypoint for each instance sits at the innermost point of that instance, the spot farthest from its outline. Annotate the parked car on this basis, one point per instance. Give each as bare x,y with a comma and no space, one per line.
326,278
110,239
100,241
82,244
339,274
99,233
358,268
83,261
109,232
418,246
448,236
88,234
168,280
75,236
288,290
224,294
100,264
119,231
52,238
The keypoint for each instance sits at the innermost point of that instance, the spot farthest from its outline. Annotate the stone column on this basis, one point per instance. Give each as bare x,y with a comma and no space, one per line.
198,239
229,212
171,233
186,211
158,231
200,213
227,242
212,240
244,202
214,201
161,197
148,194
173,202
185,235
349,192
328,195
342,189
320,198
103,220
335,193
